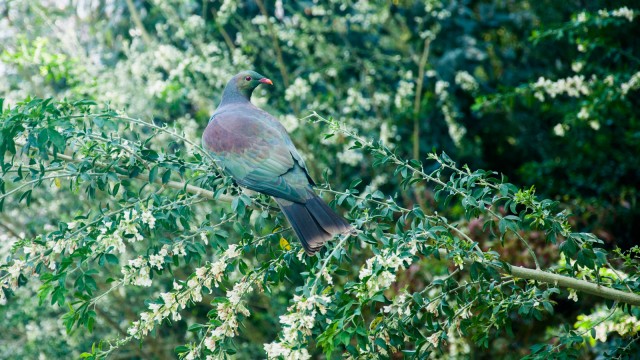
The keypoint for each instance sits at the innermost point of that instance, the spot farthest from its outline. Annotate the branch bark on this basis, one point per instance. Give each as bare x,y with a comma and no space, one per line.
565,282
576,284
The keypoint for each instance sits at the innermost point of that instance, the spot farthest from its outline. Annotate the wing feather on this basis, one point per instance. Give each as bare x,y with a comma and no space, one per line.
257,151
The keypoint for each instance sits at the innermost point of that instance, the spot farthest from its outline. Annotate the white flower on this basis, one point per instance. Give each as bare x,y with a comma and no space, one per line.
558,130
403,94
147,218
441,87
143,278
380,99
434,339
574,86
137,262
573,295
633,83
276,349
204,238
201,272
458,261
577,66
15,269
583,114
290,122
227,8
350,157
210,343
298,90
232,251
624,12
609,80
594,124
582,17
156,261
179,250
601,332
466,81
364,272
433,307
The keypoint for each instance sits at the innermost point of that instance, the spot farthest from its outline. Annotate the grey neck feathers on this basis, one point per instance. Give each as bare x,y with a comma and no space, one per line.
233,95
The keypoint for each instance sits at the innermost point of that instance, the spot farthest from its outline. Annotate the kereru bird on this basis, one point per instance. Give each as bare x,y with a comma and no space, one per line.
256,150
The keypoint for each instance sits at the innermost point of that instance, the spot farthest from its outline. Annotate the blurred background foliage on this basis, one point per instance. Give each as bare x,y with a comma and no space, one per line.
475,79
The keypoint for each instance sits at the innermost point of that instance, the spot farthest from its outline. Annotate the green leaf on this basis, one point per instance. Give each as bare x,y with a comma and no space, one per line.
111,259
166,176
153,173
57,140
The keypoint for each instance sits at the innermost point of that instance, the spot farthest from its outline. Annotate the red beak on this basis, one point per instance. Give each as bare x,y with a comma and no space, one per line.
266,81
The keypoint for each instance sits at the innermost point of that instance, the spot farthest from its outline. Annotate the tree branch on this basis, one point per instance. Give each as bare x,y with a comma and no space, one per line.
136,20
564,282
416,102
195,190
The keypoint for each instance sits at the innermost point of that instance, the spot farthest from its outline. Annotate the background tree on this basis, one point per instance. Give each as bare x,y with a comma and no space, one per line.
120,224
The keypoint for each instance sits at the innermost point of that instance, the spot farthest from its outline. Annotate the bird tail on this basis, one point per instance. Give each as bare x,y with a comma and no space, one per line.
314,222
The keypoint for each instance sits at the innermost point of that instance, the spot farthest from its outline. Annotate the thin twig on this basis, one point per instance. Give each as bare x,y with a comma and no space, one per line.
418,98
136,20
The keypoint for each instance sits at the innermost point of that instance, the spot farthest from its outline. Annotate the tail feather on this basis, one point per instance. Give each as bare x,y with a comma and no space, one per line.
326,217
314,222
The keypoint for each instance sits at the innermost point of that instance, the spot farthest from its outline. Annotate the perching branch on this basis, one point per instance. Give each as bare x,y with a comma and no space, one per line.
176,185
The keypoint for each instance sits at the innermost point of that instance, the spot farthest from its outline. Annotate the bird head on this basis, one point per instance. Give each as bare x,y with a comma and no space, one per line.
247,81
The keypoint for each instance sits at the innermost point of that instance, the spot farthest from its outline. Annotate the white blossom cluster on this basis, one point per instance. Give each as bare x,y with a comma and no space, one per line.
388,133
632,84
213,273
574,86
350,156
10,280
404,93
620,322
138,271
227,314
356,102
367,15
399,306
456,130
290,122
466,81
297,326
378,273
623,12
173,302
298,90
127,229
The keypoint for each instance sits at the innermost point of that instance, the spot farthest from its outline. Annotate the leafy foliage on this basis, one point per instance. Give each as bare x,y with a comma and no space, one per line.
125,230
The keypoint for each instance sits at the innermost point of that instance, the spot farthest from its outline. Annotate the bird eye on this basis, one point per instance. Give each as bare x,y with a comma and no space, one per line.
248,78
